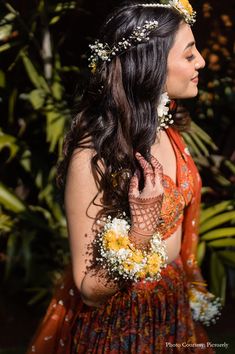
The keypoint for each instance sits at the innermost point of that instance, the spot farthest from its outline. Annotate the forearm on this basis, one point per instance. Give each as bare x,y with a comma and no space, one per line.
96,287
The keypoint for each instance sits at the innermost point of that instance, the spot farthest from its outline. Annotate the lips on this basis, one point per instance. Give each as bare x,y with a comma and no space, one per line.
195,79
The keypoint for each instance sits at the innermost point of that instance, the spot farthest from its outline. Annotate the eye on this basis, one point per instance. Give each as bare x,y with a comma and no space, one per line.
190,57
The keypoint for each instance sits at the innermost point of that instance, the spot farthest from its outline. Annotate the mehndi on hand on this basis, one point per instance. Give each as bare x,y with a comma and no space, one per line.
145,205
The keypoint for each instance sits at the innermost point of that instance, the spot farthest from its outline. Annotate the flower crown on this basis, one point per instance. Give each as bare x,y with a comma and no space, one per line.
182,6
102,51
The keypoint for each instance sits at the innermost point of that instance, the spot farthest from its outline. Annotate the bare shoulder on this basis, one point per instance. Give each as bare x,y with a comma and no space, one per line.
81,159
81,186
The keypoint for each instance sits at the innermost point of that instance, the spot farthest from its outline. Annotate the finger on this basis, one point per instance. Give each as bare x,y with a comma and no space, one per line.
157,167
134,186
156,164
146,166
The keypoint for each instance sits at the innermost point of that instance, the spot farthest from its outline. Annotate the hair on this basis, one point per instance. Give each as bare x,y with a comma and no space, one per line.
117,114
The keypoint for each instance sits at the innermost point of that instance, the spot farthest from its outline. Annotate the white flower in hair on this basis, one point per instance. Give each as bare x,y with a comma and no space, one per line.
162,108
164,118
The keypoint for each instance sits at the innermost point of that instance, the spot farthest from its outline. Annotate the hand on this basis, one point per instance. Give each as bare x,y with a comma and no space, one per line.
145,205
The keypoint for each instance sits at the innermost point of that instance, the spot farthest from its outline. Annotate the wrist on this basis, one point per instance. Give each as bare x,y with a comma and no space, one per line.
140,239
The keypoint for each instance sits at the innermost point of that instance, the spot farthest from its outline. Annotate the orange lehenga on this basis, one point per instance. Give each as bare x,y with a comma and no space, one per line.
147,317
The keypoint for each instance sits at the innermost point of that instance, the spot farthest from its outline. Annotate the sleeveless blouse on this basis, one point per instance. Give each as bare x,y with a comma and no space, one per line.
177,195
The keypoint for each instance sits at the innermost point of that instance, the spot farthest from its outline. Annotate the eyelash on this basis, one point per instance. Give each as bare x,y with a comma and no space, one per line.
190,58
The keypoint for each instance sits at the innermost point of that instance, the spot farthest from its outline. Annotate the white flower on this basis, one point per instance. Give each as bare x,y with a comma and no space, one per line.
204,306
162,109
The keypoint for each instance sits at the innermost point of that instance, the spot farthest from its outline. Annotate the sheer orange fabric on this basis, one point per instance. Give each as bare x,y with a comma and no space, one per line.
191,215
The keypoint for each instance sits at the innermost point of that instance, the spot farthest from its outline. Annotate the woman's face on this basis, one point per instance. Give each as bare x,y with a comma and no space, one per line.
183,64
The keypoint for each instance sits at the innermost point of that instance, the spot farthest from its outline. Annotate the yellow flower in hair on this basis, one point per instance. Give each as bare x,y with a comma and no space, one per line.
187,6
93,67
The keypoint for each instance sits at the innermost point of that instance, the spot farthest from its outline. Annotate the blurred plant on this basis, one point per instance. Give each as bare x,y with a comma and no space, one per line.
215,107
36,108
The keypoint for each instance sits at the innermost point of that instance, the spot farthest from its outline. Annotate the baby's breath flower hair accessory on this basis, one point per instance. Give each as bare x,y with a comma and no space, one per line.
182,6
164,117
122,260
103,52
205,307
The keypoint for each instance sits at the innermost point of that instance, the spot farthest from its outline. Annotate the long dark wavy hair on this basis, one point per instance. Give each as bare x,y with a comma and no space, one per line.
117,115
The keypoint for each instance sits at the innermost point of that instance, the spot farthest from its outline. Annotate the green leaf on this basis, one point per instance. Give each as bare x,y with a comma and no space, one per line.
25,160
215,209
10,142
218,277
62,6
37,80
57,90
10,201
218,233
228,257
37,98
55,127
230,165
2,79
201,251
191,144
217,220
223,243
223,181
203,135
54,20
6,223
26,251
10,252
7,46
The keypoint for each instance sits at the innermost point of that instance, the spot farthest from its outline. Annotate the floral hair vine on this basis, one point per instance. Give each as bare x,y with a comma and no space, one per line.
103,52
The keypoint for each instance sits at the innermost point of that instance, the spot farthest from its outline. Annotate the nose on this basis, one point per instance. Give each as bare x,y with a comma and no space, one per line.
200,61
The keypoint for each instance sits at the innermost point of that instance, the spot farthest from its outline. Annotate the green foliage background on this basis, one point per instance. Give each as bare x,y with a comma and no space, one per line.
43,68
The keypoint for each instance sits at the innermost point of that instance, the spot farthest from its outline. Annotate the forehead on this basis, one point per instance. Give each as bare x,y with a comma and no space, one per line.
184,37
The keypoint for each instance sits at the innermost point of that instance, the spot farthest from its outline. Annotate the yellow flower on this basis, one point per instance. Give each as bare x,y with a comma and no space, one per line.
153,264
141,274
137,256
115,242
128,266
93,67
154,259
187,6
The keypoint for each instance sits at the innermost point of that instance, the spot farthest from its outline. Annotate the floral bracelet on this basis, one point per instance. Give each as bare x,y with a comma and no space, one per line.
205,307
119,256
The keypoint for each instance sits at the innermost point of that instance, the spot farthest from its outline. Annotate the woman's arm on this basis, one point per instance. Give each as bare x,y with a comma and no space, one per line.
79,192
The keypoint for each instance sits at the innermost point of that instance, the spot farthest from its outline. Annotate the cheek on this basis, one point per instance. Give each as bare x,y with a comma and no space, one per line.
178,80
175,80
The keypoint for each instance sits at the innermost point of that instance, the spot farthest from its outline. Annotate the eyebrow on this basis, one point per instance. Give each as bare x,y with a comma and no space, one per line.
191,44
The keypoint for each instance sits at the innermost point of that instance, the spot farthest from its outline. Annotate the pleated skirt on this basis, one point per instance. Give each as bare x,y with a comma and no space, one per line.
146,317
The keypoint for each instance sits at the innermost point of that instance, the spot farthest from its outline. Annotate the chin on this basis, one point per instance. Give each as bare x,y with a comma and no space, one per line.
191,94
187,94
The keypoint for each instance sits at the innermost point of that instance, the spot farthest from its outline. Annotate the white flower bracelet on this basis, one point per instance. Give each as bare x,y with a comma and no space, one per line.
205,307
120,257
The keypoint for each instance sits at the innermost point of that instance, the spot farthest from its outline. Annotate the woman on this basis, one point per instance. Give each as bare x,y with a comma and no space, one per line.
120,156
